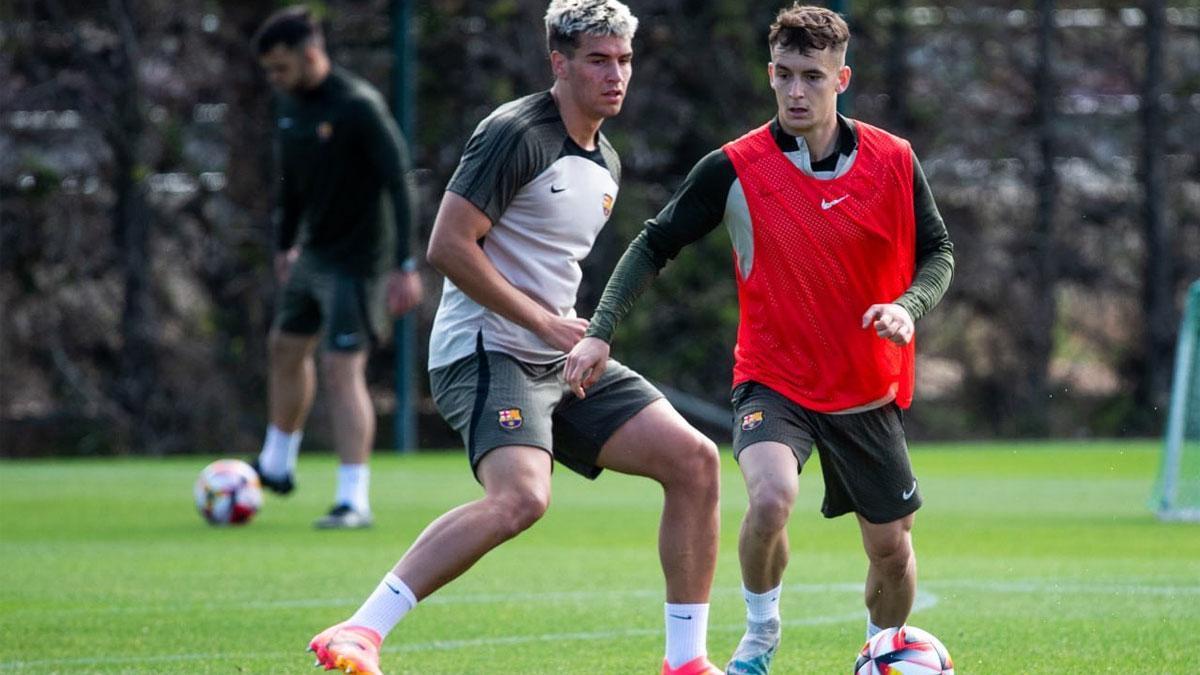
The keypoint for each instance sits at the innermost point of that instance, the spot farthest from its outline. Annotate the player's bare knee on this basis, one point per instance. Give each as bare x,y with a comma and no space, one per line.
518,510
343,372
770,506
708,460
696,466
284,351
891,556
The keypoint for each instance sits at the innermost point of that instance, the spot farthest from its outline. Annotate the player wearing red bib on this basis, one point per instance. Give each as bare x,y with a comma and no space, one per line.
838,250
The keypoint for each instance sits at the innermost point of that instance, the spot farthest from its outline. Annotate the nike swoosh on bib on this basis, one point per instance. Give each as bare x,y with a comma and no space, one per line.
829,205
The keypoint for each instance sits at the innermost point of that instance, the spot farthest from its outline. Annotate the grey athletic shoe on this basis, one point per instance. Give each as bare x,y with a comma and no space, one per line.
343,517
754,652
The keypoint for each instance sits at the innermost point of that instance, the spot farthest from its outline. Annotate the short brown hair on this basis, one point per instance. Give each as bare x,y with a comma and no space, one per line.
805,27
291,27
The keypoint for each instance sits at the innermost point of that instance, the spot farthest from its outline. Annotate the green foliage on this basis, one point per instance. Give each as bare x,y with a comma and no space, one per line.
42,178
320,9
1046,546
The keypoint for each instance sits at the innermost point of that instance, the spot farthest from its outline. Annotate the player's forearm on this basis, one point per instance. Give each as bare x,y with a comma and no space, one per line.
387,151
932,278
935,251
288,204
466,265
632,276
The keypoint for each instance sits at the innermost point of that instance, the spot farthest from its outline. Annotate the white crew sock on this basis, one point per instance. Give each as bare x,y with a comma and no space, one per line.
687,633
353,486
872,629
279,452
762,607
389,603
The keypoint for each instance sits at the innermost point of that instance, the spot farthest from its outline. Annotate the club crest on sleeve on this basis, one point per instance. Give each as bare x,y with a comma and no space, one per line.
608,204
751,421
510,418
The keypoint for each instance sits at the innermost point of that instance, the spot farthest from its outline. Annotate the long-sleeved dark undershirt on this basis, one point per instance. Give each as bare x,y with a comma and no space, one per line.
698,207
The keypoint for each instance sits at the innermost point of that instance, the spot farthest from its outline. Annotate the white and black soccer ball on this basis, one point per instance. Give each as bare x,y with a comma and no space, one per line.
228,492
903,651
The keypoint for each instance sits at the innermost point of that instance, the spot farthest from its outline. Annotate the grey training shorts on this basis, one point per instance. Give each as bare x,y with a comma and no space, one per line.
494,400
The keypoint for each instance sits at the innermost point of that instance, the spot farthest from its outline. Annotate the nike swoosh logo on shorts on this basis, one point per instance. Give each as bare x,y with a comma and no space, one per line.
907,495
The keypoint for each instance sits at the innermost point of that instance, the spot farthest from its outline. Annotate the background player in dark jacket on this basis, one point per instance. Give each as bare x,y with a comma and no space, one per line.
839,248
343,253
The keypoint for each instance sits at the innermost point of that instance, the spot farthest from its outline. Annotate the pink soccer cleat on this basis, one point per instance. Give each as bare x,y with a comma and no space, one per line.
350,649
697,666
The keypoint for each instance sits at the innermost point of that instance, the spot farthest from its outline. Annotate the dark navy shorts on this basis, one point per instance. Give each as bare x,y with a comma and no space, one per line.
864,456
351,310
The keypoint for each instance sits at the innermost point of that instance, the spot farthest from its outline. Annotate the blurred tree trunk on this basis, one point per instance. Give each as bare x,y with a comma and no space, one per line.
117,110
1157,276
897,68
132,233
1033,394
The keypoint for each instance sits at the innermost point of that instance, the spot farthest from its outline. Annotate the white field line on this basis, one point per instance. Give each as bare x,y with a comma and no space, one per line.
1050,587
924,601
1038,586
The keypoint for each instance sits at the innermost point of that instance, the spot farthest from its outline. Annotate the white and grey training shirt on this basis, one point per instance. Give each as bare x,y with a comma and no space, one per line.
547,199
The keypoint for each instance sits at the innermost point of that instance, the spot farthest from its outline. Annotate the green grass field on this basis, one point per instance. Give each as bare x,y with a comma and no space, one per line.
1033,558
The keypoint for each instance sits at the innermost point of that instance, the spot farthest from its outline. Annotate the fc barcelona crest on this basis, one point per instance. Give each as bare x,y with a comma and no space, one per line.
752,421
608,204
510,418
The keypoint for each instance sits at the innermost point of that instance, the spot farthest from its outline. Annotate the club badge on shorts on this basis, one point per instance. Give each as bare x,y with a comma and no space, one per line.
751,421
510,418
608,204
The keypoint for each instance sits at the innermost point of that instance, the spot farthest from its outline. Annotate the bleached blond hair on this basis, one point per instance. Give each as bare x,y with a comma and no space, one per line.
566,20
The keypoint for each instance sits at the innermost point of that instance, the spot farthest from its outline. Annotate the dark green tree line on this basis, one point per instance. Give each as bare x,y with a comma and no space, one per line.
135,192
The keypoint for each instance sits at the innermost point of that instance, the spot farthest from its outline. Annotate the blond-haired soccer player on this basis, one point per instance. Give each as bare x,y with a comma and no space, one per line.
839,249
535,185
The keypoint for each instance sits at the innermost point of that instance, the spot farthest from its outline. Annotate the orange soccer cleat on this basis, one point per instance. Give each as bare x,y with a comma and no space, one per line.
697,666
350,649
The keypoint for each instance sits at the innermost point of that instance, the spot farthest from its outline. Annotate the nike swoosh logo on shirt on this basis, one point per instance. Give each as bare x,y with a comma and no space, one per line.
829,205
556,189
